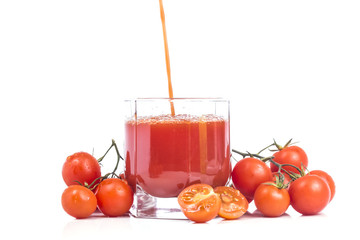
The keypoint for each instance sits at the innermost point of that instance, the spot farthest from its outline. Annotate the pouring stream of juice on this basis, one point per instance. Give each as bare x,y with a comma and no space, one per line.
167,57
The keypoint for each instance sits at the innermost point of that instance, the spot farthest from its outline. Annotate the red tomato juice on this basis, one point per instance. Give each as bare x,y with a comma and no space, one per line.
165,154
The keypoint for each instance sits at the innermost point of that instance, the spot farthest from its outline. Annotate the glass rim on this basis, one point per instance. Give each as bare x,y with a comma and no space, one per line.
211,99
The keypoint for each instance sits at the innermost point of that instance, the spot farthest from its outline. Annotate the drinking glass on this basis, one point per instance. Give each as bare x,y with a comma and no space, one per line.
171,144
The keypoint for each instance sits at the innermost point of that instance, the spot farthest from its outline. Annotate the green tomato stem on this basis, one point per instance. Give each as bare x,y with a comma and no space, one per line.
247,154
271,159
113,173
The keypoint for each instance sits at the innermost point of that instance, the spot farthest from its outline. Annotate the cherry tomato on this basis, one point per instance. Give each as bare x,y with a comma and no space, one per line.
199,202
328,179
309,194
78,201
270,200
114,197
248,174
80,167
249,199
233,203
293,155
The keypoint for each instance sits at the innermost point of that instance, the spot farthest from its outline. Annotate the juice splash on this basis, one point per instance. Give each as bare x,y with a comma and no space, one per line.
167,57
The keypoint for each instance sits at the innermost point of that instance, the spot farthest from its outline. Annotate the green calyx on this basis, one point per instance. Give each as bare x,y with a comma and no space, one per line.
279,182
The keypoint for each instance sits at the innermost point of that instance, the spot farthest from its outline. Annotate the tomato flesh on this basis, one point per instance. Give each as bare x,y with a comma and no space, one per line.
233,203
199,203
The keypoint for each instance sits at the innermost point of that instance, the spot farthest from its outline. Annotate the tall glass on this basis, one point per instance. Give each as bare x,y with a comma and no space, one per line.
166,151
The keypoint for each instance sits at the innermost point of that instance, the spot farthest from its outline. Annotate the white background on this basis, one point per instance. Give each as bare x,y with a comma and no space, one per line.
290,69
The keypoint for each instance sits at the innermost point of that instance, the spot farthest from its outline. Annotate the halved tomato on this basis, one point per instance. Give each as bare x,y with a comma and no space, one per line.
233,203
199,203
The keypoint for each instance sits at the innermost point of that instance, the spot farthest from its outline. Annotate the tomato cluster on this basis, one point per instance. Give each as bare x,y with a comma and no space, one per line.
88,190
286,182
273,187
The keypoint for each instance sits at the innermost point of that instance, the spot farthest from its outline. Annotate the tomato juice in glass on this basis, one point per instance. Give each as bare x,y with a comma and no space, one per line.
171,143
167,152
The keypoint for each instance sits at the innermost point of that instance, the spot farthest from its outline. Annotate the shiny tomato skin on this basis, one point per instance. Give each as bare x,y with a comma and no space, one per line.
248,174
309,195
114,197
271,201
233,203
81,167
327,178
199,202
78,201
293,155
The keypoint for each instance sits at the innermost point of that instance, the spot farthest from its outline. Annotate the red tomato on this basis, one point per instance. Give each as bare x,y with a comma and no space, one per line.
78,201
80,167
270,200
249,199
199,203
233,203
114,197
309,194
248,174
293,155
328,179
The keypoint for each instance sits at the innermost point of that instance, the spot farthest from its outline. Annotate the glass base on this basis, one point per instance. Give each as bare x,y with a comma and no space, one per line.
147,206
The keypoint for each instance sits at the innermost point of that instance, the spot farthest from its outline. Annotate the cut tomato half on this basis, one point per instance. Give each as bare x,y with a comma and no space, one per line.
199,203
233,203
